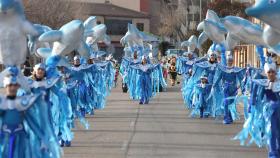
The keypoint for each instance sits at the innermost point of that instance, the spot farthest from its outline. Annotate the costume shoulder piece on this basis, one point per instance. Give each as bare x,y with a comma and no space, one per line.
88,66
126,58
261,82
145,67
81,67
237,69
137,61
276,86
204,64
48,83
230,70
103,64
183,58
155,65
20,103
222,68
201,59
190,62
201,86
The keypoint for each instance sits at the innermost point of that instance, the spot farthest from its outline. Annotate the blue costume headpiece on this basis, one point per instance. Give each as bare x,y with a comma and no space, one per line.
10,80
269,65
40,66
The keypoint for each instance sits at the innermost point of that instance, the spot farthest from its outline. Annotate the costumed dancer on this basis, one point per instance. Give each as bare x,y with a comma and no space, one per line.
144,80
56,103
183,63
187,72
187,65
206,67
109,72
201,101
126,61
249,87
125,65
17,121
180,66
77,84
101,80
227,78
263,123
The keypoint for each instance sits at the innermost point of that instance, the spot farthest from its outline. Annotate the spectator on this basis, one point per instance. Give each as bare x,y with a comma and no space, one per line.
165,69
27,68
173,73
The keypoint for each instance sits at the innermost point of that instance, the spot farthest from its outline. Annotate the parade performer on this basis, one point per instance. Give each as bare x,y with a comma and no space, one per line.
263,122
184,64
207,67
17,120
202,105
144,80
229,77
88,86
101,80
125,65
252,73
77,90
56,103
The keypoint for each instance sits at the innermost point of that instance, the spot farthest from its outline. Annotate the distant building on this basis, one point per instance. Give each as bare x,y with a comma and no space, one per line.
116,14
245,54
128,4
153,9
192,11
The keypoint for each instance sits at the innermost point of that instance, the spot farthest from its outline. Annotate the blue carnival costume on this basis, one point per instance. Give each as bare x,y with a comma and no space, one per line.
202,104
125,65
77,84
207,68
228,77
56,102
144,81
19,122
88,87
101,78
262,124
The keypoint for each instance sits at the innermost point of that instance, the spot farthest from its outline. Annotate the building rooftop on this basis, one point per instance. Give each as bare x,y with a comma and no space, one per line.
99,9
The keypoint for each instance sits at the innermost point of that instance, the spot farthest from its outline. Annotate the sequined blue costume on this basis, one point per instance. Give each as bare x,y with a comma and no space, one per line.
229,77
144,81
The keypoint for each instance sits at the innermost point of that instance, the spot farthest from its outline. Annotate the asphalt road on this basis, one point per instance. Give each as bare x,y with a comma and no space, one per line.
161,129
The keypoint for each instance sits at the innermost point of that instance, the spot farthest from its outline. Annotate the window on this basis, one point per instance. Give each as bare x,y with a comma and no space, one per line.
116,26
140,26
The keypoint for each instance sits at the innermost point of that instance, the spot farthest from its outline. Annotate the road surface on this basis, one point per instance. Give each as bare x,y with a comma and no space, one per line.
162,129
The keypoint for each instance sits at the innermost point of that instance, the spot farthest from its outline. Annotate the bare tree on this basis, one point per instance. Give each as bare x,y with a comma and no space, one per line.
53,13
171,21
227,7
174,22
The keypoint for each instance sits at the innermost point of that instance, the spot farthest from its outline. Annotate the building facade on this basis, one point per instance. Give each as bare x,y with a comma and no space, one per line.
245,54
192,11
129,4
116,14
